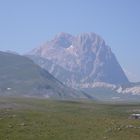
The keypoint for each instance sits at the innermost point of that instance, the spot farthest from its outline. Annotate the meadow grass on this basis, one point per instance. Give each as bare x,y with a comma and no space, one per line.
40,119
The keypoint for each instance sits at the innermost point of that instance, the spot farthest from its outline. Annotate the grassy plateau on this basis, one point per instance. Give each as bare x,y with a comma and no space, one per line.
41,119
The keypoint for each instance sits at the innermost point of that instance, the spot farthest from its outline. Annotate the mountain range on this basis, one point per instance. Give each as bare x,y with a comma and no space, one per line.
67,67
84,61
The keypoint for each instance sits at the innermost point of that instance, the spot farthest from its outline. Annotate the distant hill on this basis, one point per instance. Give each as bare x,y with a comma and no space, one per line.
78,60
21,76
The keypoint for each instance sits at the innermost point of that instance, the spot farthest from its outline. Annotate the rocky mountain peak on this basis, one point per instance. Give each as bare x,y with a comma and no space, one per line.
85,58
63,35
62,40
88,42
88,38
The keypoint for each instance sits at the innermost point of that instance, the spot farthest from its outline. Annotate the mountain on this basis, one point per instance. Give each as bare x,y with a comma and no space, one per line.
79,60
20,76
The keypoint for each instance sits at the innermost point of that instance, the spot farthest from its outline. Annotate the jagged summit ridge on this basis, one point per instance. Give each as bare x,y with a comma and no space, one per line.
84,58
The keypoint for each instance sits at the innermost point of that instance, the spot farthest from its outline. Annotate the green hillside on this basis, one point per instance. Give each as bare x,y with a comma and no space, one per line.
21,76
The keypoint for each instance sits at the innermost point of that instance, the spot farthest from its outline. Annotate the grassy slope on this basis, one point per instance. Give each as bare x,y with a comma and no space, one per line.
36,119
23,77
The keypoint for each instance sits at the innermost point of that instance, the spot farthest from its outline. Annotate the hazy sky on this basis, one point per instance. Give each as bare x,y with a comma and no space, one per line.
25,24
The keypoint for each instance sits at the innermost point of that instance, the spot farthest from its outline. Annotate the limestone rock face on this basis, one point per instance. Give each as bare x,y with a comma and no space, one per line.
81,59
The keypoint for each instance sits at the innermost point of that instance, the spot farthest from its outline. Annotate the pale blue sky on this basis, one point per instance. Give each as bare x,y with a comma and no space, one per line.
25,24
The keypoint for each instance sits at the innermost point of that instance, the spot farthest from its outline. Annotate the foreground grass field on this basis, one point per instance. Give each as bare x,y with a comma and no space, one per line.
38,119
